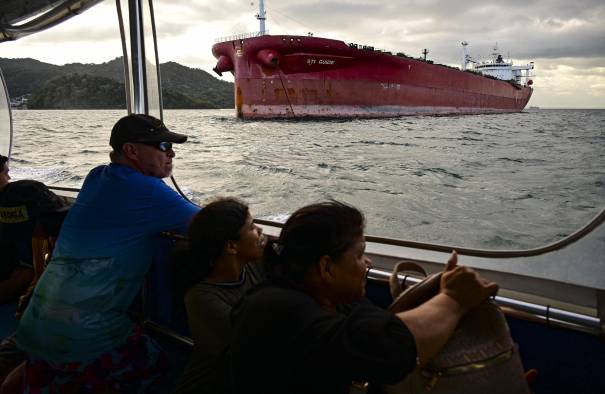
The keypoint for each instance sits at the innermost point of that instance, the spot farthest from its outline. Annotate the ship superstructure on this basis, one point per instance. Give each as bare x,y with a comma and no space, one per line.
499,68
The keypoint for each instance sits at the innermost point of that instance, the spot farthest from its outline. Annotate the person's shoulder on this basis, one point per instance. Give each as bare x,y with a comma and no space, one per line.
200,293
203,292
24,185
277,298
27,183
26,191
121,176
99,170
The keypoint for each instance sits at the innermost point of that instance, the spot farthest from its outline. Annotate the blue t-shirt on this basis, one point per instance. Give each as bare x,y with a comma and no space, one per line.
104,249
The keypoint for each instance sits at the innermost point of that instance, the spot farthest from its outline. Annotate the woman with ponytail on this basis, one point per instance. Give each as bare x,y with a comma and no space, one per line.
310,330
217,266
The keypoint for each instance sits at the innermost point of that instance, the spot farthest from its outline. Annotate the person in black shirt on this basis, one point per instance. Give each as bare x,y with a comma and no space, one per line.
310,330
27,209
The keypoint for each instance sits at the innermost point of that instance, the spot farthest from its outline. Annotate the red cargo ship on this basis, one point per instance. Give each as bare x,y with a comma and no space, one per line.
304,76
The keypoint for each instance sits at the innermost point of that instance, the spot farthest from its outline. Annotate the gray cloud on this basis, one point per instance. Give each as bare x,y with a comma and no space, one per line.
529,29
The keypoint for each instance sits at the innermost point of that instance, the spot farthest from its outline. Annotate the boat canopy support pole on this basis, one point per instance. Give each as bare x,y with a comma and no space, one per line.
141,61
6,119
141,65
137,48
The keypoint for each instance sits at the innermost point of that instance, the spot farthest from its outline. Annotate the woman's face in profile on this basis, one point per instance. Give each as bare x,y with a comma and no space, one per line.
349,272
251,242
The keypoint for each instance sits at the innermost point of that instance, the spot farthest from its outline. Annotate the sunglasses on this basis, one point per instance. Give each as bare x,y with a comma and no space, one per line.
163,146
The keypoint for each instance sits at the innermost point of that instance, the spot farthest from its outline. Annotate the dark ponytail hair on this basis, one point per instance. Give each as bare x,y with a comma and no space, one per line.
217,223
3,161
327,228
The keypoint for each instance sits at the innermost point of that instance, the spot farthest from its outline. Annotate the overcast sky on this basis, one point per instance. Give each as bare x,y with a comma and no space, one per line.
565,39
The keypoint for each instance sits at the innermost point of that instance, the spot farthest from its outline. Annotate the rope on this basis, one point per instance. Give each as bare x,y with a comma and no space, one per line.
286,93
176,186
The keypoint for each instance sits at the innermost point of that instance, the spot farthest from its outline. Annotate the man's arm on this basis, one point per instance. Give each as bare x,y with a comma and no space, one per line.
170,210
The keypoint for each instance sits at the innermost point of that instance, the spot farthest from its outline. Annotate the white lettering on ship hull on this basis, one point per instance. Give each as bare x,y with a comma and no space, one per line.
390,86
321,61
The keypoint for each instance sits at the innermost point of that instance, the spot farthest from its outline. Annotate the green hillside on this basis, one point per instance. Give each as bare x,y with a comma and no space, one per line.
79,91
183,87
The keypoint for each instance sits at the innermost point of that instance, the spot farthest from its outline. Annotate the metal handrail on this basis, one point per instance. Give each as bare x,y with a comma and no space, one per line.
64,189
546,312
185,340
573,237
591,225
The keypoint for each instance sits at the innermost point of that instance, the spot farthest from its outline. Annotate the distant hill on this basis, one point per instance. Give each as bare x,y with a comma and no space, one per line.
182,87
85,91
79,91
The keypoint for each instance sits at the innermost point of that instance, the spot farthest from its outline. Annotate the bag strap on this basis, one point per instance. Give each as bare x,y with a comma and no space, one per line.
417,294
395,285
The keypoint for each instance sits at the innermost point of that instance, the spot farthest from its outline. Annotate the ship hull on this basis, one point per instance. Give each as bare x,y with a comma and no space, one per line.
294,76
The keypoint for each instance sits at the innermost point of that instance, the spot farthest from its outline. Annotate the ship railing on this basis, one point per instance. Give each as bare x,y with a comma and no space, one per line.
242,36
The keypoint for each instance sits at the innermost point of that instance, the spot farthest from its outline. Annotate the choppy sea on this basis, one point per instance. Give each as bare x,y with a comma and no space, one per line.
504,181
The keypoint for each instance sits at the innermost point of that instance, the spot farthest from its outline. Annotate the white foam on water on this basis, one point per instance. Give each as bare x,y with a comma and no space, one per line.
280,217
48,175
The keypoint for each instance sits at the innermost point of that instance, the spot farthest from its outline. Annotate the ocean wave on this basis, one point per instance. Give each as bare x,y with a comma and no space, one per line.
392,143
437,171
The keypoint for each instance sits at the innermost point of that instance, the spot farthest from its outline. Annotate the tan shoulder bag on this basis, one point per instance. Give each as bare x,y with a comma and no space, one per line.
479,358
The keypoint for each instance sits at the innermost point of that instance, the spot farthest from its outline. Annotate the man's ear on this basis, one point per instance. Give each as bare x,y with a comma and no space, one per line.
130,151
231,247
325,268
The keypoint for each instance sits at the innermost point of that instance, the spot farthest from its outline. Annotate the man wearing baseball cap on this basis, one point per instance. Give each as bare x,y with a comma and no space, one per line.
76,330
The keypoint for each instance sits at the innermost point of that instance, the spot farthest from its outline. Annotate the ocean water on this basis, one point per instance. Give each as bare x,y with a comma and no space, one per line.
505,181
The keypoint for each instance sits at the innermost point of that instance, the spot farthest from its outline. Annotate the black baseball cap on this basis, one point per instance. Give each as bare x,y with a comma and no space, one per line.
142,128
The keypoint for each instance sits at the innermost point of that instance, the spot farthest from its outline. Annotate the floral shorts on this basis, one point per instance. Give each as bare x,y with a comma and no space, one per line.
130,368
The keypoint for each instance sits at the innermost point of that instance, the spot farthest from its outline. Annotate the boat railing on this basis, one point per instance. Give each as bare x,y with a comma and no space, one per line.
242,36
545,314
